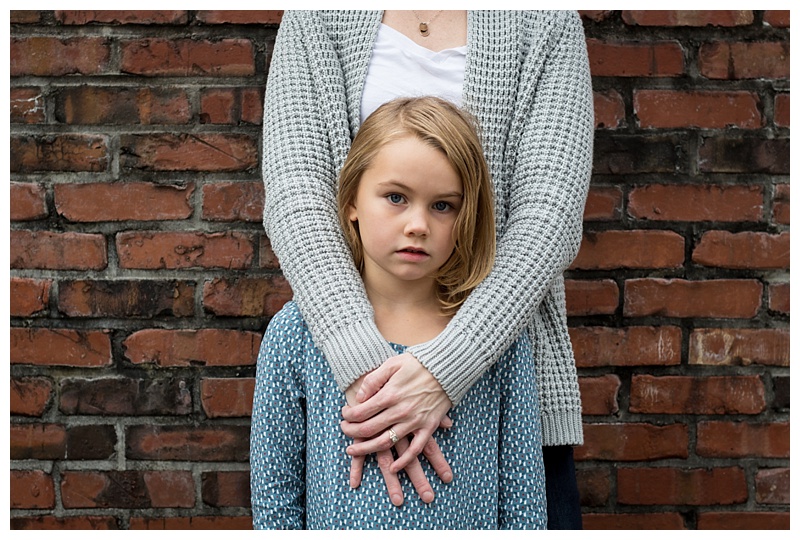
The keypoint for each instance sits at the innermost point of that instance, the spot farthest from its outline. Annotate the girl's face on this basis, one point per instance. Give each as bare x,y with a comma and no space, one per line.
406,207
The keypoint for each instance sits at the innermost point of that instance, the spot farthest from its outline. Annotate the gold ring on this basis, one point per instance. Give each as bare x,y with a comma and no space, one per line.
393,436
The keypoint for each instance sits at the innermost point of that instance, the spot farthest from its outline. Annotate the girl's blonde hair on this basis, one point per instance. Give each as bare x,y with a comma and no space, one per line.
446,128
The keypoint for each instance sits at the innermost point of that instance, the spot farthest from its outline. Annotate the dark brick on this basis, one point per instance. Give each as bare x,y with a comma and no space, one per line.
143,298
226,488
91,442
780,387
746,155
132,397
627,154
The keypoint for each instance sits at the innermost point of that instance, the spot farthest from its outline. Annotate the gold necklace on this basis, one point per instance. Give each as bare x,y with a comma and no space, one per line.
423,25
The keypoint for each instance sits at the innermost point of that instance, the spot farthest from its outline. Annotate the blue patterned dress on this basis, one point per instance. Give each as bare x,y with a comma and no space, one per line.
300,471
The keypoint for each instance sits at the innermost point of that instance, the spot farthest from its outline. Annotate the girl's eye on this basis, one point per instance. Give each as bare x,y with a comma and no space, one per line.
441,206
394,198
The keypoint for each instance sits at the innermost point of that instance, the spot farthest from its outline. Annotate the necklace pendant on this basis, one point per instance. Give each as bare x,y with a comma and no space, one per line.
423,29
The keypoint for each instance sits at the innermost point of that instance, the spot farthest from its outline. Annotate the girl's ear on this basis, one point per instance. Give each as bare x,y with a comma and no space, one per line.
352,214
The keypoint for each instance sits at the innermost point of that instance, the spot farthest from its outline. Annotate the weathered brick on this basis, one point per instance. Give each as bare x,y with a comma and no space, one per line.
629,522
779,297
772,486
225,398
126,396
29,296
591,297
744,155
67,152
739,439
47,250
595,14
38,441
206,347
54,57
219,106
200,523
91,442
122,17
780,204
751,60
133,201
625,59
202,152
777,18
629,249
599,395
226,488
252,105
27,106
633,442
127,489
246,297
678,394
154,250
632,346
666,485
739,520
664,202
594,486
188,57
781,113
697,109
739,346
715,17
32,489
60,347
233,201
609,110
102,105
780,386
124,298
719,298
72,523
636,154
24,16
260,17
266,257
203,443
743,250
30,396
27,202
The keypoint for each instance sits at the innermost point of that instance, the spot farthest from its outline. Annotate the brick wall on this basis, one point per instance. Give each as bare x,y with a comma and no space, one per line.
141,279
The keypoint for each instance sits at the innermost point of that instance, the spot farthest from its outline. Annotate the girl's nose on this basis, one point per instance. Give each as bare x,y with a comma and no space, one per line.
417,224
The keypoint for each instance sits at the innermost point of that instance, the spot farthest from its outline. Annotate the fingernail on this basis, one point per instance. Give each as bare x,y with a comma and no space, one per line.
427,496
397,500
360,395
447,477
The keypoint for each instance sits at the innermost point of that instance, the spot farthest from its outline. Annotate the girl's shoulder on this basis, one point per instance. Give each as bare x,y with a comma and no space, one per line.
289,322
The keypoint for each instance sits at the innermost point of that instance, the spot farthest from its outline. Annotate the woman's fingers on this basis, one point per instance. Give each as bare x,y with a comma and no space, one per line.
416,474
437,460
385,460
356,470
381,441
374,381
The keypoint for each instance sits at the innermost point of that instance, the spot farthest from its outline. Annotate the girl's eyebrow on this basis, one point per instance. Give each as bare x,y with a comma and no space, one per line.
400,185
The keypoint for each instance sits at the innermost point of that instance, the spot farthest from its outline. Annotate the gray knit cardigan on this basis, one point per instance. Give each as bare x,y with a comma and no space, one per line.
527,82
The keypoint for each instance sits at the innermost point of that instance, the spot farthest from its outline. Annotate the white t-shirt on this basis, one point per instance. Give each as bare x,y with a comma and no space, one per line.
401,68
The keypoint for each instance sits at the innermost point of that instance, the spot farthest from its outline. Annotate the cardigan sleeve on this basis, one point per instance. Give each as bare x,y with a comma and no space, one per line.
549,182
300,152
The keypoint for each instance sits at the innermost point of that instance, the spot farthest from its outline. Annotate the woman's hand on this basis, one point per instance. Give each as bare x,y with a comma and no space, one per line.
401,394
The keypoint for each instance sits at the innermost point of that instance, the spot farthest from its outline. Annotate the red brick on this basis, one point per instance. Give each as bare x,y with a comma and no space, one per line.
122,17
719,298
226,488
95,105
661,202
739,520
30,395
73,523
715,17
609,110
179,443
739,440
188,57
596,346
698,109
633,442
29,296
628,522
739,346
600,395
250,16
744,250
595,14
780,204
32,489
115,396
218,106
697,395
759,60
603,204
207,347
246,297
233,201
226,398
267,257
779,297
60,347
591,297
170,489
54,57
665,485
152,250
130,299
772,486
38,441
58,251
252,105
743,154
207,152
21,16
781,113
134,201
27,106
658,59
192,523
27,202
594,486
607,250
65,152
777,18
127,489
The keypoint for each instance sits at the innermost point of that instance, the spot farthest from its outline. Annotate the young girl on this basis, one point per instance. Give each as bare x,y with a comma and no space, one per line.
415,205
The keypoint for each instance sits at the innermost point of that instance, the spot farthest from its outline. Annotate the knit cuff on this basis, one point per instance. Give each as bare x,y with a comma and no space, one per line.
355,350
564,428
